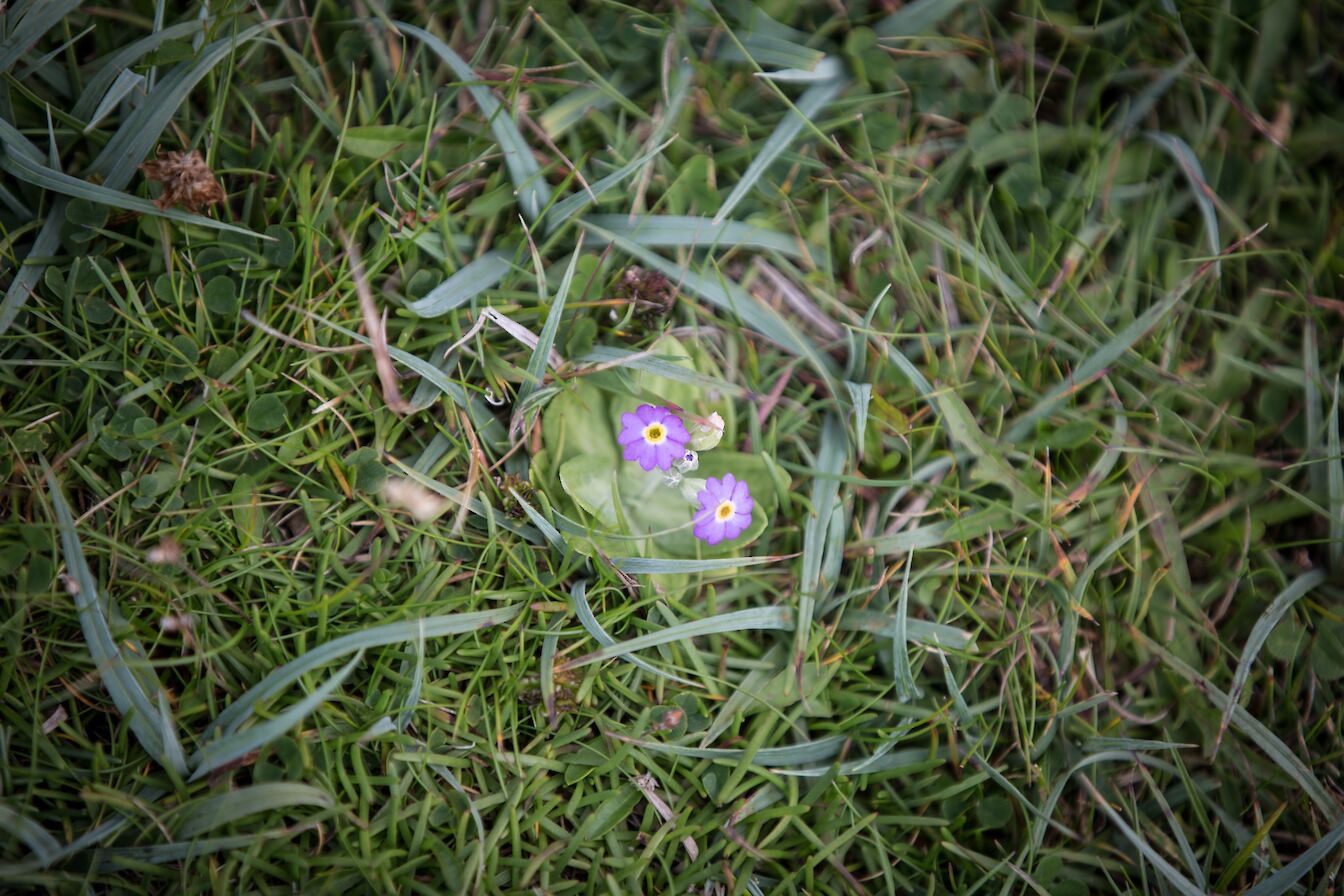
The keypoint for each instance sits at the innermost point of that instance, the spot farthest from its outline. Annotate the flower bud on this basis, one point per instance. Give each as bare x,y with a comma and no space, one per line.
690,487
706,432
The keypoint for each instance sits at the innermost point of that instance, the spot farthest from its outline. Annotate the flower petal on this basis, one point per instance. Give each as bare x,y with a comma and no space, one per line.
665,454
711,532
646,413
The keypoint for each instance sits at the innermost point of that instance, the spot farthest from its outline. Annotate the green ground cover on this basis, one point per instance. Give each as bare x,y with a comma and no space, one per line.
321,565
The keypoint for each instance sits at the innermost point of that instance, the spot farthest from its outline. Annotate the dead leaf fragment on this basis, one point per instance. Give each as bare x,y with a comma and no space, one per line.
187,180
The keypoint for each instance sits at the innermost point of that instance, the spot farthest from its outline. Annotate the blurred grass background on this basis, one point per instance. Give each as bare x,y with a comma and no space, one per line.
1031,312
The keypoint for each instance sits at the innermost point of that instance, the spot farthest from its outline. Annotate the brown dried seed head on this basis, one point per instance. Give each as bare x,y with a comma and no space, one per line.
187,180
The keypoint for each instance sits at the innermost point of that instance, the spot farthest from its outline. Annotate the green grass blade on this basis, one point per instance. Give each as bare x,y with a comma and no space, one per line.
46,178
930,634
279,679
133,690
916,18
28,30
1334,485
728,297
215,811
46,244
1281,604
120,158
579,200
578,594
963,528
906,689
471,280
823,530
1282,881
127,82
1174,877
489,427
659,365
533,192
690,232
42,845
114,65
237,744
1188,162
1098,363
1258,734
809,105
756,618
657,565
536,365
794,754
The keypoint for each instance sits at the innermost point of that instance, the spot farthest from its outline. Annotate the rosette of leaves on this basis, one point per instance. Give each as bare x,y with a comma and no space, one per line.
630,512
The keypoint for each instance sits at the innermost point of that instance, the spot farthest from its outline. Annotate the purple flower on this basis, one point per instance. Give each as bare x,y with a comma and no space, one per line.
725,509
654,436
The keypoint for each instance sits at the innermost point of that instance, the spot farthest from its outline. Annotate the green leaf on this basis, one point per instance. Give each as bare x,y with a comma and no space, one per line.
220,296
265,413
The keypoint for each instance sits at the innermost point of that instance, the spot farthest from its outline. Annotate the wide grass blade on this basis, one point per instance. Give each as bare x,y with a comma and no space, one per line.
963,528
38,19
823,530
728,297
657,565
42,845
536,365
930,634
1174,877
126,83
1297,589
241,709
1282,881
578,594
119,159
39,175
916,18
1188,162
238,744
471,280
116,64
690,232
533,192
579,200
46,244
135,691
215,811
809,105
756,618
1244,722
794,754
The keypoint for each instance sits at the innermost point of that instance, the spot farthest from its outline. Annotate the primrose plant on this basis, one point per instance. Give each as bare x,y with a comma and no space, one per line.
656,438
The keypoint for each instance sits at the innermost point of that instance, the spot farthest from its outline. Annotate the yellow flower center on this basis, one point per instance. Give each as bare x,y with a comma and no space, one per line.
725,511
655,433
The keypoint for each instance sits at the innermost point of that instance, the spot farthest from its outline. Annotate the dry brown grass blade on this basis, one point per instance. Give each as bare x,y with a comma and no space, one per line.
376,325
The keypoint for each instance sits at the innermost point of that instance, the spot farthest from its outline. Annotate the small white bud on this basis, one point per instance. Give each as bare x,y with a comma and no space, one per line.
706,432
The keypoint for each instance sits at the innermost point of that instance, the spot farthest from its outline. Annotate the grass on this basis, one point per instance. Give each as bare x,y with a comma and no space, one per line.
1024,323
